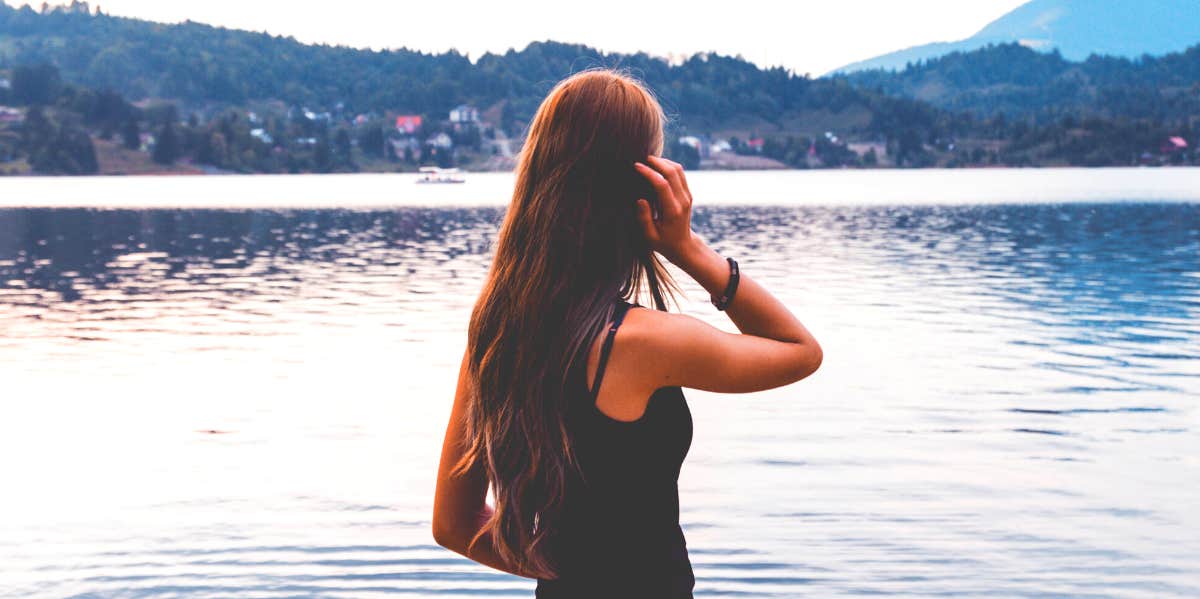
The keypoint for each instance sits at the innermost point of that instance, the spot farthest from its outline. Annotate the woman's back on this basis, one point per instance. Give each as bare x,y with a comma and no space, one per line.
595,210
619,533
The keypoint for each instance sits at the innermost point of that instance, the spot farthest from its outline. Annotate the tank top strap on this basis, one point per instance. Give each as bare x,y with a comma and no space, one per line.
606,348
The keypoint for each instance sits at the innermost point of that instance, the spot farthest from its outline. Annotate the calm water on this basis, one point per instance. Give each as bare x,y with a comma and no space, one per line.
250,402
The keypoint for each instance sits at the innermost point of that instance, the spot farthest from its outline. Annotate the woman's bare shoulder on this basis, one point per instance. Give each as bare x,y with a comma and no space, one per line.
671,348
640,361
653,332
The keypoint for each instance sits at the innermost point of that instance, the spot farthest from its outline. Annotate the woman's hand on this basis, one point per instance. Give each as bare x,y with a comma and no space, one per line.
774,348
671,233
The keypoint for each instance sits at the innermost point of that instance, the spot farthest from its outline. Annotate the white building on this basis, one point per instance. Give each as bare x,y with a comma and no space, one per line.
9,114
323,117
864,147
697,144
261,135
441,140
399,146
464,114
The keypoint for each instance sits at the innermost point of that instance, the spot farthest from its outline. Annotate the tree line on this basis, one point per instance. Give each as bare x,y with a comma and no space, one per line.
195,63
1005,105
1019,82
61,120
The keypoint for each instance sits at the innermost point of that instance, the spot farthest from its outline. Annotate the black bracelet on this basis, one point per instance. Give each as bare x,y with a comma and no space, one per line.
723,302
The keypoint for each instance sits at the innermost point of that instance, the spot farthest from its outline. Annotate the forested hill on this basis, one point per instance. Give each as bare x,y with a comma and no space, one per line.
197,63
1076,28
251,102
1019,82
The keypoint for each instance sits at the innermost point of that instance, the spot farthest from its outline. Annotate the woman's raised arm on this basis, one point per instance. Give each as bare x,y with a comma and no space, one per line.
774,348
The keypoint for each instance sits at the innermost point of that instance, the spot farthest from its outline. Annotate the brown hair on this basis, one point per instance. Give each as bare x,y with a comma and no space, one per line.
568,247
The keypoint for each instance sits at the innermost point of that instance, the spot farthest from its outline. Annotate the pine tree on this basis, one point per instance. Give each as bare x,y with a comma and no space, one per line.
131,134
166,145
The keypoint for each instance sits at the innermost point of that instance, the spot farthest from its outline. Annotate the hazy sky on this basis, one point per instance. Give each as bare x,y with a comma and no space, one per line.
805,35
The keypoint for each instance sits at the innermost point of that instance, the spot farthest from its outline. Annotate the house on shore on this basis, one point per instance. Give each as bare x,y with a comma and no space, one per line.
464,114
1174,145
9,114
261,135
440,141
862,148
405,147
696,143
318,117
463,117
408,124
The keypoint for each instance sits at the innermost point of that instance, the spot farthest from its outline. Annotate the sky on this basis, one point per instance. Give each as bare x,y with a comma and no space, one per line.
805,36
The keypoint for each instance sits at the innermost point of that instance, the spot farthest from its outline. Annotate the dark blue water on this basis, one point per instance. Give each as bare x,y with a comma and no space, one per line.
251,403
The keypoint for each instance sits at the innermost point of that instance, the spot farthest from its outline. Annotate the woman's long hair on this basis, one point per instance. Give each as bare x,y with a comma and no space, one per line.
568,247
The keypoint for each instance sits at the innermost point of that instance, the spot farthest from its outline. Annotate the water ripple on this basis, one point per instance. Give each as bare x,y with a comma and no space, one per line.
250,402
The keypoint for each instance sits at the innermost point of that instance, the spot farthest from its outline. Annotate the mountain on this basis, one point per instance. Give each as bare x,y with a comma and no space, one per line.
1016,81
1076,28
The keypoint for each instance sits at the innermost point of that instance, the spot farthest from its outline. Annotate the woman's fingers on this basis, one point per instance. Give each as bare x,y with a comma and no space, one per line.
659,183
673,172
646,220
666,193
687,190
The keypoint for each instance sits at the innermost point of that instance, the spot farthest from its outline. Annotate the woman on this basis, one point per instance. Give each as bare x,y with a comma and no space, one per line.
569,398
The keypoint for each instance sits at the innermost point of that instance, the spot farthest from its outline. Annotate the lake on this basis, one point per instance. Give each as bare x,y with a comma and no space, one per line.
238,386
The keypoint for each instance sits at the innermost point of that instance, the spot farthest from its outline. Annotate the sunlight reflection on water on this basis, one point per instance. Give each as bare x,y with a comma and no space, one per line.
251,402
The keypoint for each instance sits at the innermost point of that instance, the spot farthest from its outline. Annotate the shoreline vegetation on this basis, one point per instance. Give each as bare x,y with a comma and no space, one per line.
84,93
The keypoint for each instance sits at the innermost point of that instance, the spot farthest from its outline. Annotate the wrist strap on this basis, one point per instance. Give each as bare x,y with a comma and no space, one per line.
730,289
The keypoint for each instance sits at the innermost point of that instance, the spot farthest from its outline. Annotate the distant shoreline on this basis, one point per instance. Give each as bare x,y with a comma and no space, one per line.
785,188
203,171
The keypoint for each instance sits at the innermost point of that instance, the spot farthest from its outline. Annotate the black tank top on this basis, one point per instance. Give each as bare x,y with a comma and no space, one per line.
620,536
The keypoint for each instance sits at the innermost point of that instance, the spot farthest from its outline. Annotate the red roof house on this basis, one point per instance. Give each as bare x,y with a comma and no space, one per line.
408,123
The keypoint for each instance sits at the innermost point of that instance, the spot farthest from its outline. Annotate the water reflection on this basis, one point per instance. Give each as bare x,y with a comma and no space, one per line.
251,402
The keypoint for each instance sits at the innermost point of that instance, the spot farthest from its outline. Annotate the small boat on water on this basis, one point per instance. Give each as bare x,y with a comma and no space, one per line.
433,174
